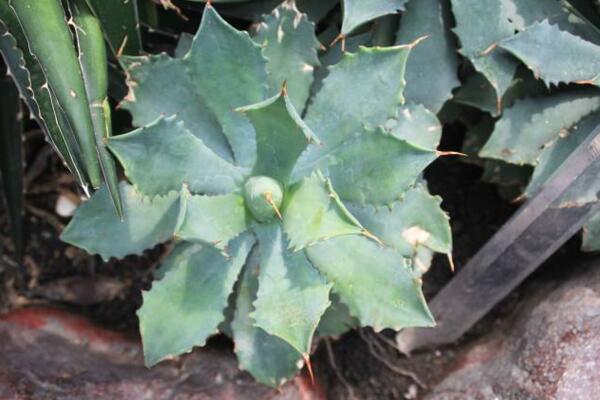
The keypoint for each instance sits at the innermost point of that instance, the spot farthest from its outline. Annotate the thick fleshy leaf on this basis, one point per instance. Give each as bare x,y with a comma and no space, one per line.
340,110
551,158
415,220
431,71
532,124
478,92
269,359
147,222
314,212
556,56
120,23
591,234
480,25
290,47
186,306
27,73
281,136
94,69
336,320
223,70
177,157
374,167
358,12
416,125
292,296
61,68
373,281
213,220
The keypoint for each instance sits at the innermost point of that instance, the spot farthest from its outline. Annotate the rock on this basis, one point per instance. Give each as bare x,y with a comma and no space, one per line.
48,353
549,350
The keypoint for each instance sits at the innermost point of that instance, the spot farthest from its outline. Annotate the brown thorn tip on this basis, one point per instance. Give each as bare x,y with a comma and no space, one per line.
418,40
368,234
309,368
284,89
121,47
451,261
339,37
269,199
450,153
489,49
208,3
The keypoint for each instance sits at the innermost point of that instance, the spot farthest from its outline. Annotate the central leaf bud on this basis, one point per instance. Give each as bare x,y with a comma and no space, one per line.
263,197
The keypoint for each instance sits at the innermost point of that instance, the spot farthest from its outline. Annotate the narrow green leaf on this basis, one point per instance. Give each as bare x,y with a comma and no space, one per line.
178,157
591,234
213,220
281,136
61,69
358,12
290,47
532,124
186,306
313,212
269,359
556,56
373,281
94,67
203,98
147,222
416,125
340,110
29,78
374,167
415,220
120,23
11,158
292,296
432,68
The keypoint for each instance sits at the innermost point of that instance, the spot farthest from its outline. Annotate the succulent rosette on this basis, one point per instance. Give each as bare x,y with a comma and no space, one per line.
295,213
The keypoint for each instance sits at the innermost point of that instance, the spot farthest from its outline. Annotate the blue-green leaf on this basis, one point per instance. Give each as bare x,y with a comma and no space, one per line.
352,98
415,220
292,296
213,220
177,157
290,47
431,71
223,70
281,136
313,212
373,281
532,124
358,12
556,56
186,306
147,222
269,359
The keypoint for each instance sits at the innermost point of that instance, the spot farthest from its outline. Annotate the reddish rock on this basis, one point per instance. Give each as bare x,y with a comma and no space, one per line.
549,350
47,353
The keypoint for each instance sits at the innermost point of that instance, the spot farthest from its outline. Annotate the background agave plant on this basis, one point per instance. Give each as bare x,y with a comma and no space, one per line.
536,81
284,226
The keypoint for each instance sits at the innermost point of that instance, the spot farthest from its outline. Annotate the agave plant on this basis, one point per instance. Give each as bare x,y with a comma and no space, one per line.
544,110
283,226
